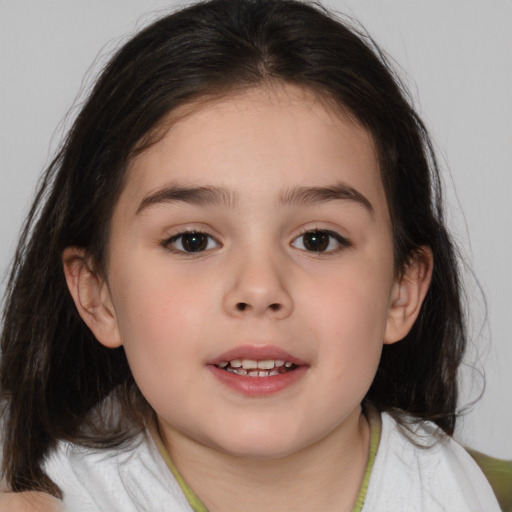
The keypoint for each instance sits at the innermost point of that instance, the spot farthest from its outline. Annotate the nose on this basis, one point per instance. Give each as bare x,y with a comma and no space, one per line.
258,288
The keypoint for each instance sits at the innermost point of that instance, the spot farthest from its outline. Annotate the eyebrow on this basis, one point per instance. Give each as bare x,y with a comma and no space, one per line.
201,196
214,196
302,196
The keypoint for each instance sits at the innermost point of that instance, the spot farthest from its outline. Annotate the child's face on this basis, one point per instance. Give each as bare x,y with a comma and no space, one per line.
291,260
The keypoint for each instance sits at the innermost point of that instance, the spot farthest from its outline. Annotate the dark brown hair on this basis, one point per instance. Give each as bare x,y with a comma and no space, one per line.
54,374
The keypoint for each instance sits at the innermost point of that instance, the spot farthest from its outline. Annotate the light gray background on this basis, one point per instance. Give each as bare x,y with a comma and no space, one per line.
456,57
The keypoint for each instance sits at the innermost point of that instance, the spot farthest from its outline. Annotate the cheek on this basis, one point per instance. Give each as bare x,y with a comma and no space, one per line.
353,301
349,339
351,335
347,316
159,319
155,302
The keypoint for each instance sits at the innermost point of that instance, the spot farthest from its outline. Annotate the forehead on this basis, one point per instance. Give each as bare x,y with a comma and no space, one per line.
267,138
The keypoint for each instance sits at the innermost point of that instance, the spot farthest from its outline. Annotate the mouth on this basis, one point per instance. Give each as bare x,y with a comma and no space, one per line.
258,370
255,368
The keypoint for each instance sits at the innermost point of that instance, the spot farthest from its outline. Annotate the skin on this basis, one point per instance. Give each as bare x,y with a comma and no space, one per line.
256,284
30,501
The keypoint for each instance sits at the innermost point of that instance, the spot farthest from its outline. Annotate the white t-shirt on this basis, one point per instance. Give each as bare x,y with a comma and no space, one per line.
404,477
438,477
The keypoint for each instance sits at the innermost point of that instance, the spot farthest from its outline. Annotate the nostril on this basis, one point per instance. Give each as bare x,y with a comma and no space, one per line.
241,306
244,306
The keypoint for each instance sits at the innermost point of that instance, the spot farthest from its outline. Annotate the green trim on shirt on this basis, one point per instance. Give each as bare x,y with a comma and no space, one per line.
499,475
192,499
374,421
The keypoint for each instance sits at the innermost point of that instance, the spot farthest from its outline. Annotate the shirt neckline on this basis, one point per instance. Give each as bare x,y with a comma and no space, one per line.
375,424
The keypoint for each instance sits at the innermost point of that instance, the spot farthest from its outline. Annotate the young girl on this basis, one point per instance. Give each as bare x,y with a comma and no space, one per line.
235,289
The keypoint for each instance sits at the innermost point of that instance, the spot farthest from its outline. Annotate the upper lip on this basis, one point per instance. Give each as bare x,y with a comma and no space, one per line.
258,353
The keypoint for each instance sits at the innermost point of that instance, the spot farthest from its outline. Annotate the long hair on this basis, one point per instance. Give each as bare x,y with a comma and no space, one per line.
54,375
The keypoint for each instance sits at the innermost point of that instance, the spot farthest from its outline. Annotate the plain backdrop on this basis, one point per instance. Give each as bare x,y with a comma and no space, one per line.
455,57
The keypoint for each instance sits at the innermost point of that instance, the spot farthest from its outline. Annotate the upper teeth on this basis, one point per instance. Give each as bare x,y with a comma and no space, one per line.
251,364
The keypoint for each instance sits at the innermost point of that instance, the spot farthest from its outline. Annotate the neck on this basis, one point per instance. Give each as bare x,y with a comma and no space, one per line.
332,468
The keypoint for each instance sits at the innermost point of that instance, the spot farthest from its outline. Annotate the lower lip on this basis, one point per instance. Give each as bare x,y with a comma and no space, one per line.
258,386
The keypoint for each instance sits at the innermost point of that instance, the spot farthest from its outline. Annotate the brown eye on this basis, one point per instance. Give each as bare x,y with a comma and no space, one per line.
192,242
316,241
320,241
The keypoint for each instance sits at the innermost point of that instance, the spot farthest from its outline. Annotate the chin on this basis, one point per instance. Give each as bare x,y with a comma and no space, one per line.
260,441
268,450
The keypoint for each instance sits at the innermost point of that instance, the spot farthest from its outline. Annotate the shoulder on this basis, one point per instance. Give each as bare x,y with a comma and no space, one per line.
499,474
420,470
29,502
128,478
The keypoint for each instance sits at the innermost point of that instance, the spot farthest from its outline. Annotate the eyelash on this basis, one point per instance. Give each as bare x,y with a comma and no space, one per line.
204,242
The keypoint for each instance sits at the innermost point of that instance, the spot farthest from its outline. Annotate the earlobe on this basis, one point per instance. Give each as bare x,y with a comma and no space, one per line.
91,296
408,294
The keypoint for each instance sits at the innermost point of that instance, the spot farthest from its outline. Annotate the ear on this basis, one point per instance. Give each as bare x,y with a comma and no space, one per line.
91,296
407,295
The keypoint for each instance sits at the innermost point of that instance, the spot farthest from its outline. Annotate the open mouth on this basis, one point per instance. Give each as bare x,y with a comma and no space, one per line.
254,368
258,371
